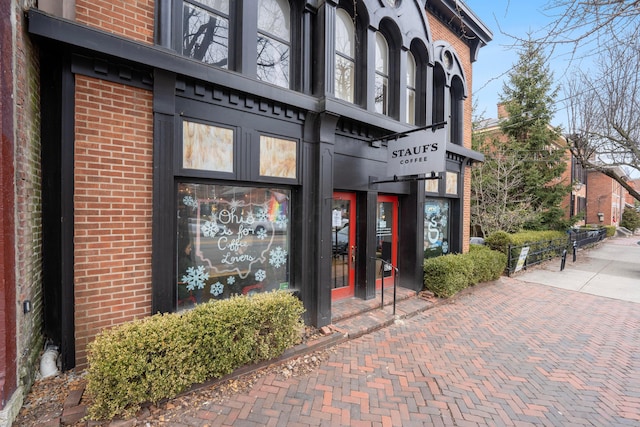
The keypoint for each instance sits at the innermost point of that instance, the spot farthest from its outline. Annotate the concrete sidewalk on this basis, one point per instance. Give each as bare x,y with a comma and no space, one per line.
611,269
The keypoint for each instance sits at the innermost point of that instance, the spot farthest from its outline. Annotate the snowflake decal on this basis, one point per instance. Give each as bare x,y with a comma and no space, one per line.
260,275
278,257
235,204
190,201
261,215
231,280
262,234
195,277
281,221
216,289
209,229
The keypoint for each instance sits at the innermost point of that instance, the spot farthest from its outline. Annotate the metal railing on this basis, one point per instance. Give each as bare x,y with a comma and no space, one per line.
548,249
538,252
582,238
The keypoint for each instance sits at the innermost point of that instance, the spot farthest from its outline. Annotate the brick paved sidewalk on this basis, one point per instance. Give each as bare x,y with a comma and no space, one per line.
506,353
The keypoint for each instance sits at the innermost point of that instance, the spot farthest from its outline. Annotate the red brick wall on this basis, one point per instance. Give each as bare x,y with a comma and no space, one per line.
439,31
133,19
602,194
113,207
8,382
28,201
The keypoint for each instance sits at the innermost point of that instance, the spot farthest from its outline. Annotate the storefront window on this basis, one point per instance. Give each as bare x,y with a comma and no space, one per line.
278,157
231,241
436,227
207,147
452,183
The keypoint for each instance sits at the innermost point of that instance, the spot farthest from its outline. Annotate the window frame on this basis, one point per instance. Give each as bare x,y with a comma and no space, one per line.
178,12
274,37
411,100
344,17
382,78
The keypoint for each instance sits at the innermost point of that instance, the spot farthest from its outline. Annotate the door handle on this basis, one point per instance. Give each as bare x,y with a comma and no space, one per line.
353,256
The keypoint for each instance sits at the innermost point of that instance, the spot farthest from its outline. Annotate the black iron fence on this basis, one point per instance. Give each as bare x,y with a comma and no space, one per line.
580,238
521,256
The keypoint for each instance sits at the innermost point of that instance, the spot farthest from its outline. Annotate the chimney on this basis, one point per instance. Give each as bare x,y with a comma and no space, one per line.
502,112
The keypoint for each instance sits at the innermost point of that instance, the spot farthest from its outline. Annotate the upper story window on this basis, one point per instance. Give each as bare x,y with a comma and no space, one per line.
274,42
456,118
345,57
411,89
439,86
205,31
382,75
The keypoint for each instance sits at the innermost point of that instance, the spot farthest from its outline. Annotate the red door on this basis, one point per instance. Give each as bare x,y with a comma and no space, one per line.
343,232
386,240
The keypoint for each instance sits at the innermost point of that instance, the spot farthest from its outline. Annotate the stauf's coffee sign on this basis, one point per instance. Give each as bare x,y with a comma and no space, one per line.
418,152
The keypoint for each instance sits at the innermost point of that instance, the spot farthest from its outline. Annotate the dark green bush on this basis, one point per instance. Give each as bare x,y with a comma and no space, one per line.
499,241
449,274
446,275
163,355
611,230
630,219
487,264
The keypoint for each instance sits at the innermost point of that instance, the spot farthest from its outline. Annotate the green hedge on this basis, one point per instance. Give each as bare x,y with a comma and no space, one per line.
449,274
501,240
487,264
163,355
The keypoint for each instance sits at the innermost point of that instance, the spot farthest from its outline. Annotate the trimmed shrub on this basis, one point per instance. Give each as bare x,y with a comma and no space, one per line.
499,241
611,230
630,219
163,355
446,275
487,264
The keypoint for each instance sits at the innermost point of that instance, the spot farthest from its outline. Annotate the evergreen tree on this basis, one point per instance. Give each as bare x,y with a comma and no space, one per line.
528,98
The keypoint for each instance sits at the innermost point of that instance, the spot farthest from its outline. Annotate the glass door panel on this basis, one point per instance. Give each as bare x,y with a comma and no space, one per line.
386,240
344,250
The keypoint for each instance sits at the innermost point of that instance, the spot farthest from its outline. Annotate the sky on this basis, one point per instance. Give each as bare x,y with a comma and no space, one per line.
504,18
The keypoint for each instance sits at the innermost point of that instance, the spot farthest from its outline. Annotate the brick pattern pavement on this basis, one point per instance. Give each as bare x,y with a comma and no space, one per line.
505,354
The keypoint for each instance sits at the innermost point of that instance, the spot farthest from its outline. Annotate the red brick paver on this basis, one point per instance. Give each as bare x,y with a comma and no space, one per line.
505,354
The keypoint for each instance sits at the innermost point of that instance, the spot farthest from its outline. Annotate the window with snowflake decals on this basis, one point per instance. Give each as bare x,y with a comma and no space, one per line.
231,240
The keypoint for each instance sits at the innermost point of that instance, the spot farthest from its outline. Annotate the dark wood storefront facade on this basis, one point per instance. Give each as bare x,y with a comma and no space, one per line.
336,145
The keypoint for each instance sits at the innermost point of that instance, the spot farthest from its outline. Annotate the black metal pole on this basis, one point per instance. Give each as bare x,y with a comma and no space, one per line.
382,284
395,286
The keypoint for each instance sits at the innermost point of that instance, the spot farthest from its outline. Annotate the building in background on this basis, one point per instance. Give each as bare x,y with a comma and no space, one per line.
606,199
574,204
159,154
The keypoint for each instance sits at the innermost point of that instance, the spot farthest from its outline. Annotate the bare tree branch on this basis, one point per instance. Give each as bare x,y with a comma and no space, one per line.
604,118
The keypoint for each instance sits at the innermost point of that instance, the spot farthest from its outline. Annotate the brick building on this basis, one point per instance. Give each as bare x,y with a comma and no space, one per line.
157,154
574,204
606,199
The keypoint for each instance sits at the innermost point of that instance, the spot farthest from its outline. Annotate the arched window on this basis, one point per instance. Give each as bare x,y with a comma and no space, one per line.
411,89
345,57
439,85
205,31
456,119
382,75
274,41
